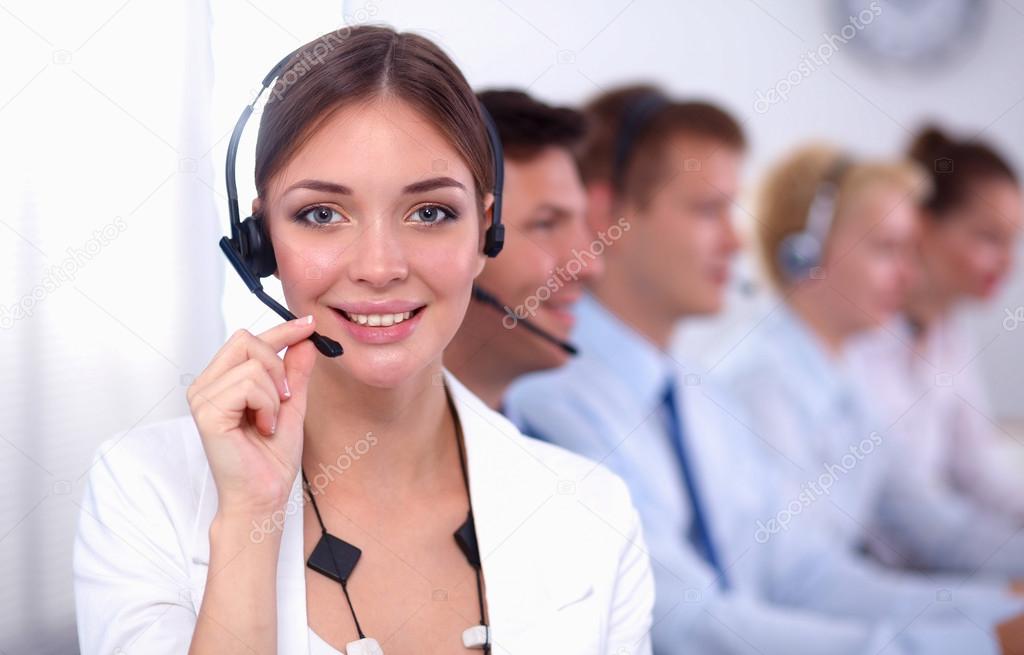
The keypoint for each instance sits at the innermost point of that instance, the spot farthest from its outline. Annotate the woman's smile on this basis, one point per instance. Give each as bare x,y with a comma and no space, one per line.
380,323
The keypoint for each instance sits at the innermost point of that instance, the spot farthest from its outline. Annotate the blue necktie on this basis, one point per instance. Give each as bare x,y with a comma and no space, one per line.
698,534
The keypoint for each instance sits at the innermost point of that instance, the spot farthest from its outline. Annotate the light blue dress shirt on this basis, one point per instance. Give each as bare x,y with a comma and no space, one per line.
791,590
807,407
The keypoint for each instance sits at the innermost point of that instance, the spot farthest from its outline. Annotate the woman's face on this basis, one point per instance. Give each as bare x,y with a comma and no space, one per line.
376,231
968,252
869,258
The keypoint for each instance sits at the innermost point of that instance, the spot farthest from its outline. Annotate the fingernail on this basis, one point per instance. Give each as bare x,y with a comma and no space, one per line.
287,391
309,319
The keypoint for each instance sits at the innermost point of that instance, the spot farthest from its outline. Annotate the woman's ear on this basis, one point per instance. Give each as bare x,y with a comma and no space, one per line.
928,228
257,204
926,218
488,208
485,217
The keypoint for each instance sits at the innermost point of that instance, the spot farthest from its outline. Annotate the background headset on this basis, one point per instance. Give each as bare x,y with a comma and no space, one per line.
488,298
800,253
249,248
637,116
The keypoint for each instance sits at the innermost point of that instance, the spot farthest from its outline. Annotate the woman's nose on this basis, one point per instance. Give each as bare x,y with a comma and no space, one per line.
731,236
377,257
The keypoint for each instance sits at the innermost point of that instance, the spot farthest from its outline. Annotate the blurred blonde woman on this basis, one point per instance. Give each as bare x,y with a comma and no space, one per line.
837,237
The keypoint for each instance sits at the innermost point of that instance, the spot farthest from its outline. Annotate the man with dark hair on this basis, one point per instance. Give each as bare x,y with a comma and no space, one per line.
549,252
703,481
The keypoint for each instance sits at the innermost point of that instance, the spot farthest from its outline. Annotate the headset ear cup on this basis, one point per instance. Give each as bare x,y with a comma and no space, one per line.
798,255
257,249
494,240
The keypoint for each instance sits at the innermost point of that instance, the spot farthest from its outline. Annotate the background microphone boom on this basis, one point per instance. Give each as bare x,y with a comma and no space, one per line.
488,299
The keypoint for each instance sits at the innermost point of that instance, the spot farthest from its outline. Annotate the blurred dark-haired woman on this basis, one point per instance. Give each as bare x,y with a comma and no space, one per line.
957,501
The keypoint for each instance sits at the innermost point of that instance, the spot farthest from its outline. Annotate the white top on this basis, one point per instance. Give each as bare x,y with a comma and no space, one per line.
956,474
317,645
564,561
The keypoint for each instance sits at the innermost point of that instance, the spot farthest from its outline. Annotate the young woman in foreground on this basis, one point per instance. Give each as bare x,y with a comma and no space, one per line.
374,180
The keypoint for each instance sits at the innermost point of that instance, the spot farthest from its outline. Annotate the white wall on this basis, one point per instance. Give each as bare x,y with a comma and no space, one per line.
103,125
731,51
109,110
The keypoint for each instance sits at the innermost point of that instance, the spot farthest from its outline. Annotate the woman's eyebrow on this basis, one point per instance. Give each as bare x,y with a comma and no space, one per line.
416,187
431,184
321,185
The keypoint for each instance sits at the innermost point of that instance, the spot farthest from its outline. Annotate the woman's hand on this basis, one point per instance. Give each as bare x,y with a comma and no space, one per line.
249,407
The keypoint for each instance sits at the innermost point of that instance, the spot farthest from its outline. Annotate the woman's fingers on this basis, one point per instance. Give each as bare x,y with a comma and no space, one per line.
252,397
240,379
243,345
288,333
298,362
240,397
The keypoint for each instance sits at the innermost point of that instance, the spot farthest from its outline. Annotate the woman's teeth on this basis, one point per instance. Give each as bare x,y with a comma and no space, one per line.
377,320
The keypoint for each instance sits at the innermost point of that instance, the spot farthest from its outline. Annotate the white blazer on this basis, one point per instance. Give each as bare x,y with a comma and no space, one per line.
564,561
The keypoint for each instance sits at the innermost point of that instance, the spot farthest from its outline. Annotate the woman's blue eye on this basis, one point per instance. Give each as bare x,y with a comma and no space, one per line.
433,214
319,216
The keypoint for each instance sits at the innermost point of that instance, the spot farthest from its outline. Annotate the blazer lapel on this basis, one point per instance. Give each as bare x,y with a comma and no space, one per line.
525,578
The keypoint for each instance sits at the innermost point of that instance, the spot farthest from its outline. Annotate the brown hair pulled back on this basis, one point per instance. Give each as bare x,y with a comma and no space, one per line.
955,167
356,64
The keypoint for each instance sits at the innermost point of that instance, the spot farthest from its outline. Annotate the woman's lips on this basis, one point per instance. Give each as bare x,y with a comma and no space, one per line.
379,334
721,276
989,283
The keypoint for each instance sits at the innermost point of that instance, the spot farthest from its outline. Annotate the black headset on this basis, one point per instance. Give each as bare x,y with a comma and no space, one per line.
249,248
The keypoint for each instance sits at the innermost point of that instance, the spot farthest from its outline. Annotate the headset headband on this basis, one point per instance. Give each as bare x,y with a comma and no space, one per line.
495,237
635,118
822,209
